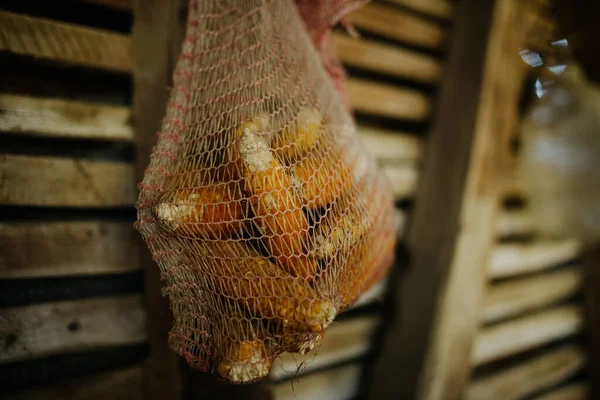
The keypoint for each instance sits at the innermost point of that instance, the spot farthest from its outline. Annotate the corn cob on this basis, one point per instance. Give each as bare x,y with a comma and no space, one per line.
295,141
277,209
212,211
246,361
266,291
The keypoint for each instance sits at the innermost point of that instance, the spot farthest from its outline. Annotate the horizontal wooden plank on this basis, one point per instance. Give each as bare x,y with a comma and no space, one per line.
514,222
66,43
437,8
335,384
119,384
392,146
525,333
343,341
68,326
64,118
511,259
44,249
403,179
387,101
386,59
529,377
397,24
58,181
573,391
513,297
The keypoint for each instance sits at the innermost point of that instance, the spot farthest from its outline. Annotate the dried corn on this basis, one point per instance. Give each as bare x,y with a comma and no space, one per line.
276,207
295,141
246,361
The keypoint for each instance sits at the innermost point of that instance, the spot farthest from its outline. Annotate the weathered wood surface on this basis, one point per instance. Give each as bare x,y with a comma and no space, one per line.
119,384
59,181
516,296
62,42
64,118
345,340
387,59
335,384
525,333
530,376
391,146
573,391
44,249
397,24
512,259
386,100
56,328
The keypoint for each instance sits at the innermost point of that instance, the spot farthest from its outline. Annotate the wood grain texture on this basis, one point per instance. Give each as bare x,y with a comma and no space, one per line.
530,376
335,384
391,146
119,384
397,24
386,59
55,328
66,43
516,296
512,259
63,118
45,249
345,340
453,224
514,222
573,391
58,181
437,8
387,101
525,333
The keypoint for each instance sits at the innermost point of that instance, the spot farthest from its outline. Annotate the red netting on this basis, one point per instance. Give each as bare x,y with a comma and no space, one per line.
260,205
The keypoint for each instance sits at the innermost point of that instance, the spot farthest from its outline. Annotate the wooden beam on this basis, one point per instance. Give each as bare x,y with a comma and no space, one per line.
56,328
344,341
390,60
391,146
119,384
437,8
396,24
573,391
516,296
514,222
44,249
530,376
59,181
525,333
512,259
63,118
438,299
334,384
387,101
66,43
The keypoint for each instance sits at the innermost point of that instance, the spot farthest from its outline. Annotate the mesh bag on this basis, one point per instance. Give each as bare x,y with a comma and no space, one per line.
260,205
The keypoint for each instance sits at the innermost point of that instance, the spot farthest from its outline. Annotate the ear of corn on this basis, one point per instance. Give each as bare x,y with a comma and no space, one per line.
246,361
295,141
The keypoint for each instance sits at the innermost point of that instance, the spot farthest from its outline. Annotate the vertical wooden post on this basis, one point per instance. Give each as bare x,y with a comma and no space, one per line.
157,37
426,353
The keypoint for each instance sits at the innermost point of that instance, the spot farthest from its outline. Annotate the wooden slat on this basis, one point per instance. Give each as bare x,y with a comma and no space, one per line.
44,249
387,101
514,222
387,145
391,60
396,24
513,297
511,259
573,391
336,384
58,181
62,327
120,384
437,8
525,333
343,341
529,377
403,179
63,118
61,42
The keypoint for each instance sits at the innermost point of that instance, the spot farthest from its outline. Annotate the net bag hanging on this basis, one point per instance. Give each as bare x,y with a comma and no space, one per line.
260,205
